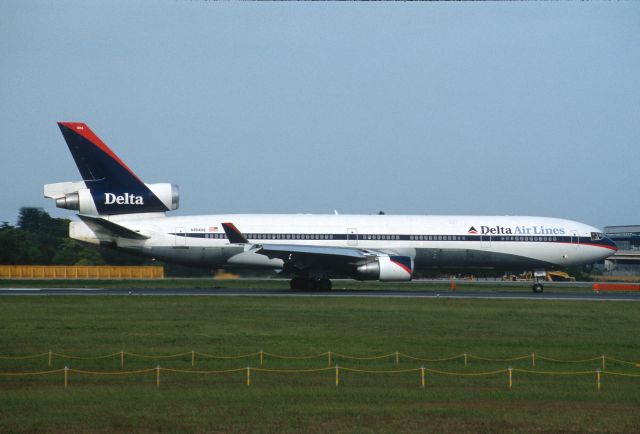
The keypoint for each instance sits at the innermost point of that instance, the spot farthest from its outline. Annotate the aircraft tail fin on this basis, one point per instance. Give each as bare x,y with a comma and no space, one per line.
113,187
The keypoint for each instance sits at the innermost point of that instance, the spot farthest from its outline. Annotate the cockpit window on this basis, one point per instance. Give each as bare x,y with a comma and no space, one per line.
596,236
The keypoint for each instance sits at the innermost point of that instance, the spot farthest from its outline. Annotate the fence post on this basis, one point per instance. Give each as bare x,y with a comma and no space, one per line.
603,363
337,375
397,357
533,359
122,359
598,378
510,377
158,376
66,377
248,376
193,358
261,357
465,360
49,358
329,353
422,376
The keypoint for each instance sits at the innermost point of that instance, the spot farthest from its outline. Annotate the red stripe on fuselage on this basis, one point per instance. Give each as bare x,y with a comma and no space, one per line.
401,265
83,130
604,246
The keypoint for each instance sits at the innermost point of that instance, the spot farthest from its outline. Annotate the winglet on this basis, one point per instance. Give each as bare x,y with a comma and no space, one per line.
233,234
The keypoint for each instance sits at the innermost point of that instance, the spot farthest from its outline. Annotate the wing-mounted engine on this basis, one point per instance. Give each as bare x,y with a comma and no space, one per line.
76,196
385,268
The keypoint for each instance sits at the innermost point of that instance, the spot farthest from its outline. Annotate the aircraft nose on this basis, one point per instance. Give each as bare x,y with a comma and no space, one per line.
610,248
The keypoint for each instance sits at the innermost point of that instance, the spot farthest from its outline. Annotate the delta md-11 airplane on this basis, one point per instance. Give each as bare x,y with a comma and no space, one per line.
118,210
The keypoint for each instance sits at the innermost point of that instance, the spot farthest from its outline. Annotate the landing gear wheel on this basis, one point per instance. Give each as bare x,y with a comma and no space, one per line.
303,284
323,284
306,284
298,283
538,288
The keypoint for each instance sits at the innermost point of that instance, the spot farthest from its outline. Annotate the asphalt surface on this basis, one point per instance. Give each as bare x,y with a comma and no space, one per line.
549,294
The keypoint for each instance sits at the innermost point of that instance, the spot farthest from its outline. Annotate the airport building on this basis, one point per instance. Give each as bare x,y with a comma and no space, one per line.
626,261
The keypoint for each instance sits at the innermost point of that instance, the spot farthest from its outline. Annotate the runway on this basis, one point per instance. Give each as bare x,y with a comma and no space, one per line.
549,294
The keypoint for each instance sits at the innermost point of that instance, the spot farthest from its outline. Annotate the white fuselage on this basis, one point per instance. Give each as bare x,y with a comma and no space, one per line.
432,241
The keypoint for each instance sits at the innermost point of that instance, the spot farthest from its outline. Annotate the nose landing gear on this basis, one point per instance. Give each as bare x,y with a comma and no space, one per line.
539,276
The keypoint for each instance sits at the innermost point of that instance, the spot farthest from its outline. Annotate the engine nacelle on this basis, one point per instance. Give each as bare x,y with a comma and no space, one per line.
80,200
169,194
386,268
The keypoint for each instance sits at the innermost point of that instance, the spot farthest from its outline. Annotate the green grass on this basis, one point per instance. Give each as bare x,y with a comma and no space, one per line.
90,326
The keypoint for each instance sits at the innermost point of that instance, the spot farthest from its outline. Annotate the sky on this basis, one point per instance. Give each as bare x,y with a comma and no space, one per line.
446,108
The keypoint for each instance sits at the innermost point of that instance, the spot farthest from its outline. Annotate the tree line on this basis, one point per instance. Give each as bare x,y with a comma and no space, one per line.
39,239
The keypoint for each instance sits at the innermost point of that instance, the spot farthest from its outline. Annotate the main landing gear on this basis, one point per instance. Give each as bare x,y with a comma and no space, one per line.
537,287
310,284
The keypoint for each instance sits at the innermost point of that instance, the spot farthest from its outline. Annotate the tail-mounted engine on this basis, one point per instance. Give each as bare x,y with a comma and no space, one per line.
76,196
385,268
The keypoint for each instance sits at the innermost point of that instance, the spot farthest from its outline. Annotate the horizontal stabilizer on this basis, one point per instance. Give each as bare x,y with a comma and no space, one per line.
110,228
61,189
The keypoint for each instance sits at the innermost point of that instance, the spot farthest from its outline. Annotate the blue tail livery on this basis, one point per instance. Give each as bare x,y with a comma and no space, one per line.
112,186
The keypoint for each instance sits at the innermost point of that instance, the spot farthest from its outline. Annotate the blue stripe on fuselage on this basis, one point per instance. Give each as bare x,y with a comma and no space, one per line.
256,238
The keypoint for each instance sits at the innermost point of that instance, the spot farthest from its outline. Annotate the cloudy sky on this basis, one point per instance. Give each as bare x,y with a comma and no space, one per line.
498,108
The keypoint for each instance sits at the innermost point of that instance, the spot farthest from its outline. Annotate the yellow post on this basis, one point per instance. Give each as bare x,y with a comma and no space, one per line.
193,358
465,360
337,375
329,354
66,377
510,377
261,357
603,363
49,358
533,359
397,358
422,376
121,359
158,376
598,378
248,376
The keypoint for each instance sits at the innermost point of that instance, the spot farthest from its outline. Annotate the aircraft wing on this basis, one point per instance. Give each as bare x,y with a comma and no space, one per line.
338,259
328,254
287,252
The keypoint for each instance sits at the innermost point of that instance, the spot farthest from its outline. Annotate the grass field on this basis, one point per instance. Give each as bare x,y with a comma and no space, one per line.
310,402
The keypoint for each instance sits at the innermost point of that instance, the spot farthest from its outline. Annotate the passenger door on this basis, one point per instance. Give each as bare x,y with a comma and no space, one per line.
352,237
575,239
180,239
